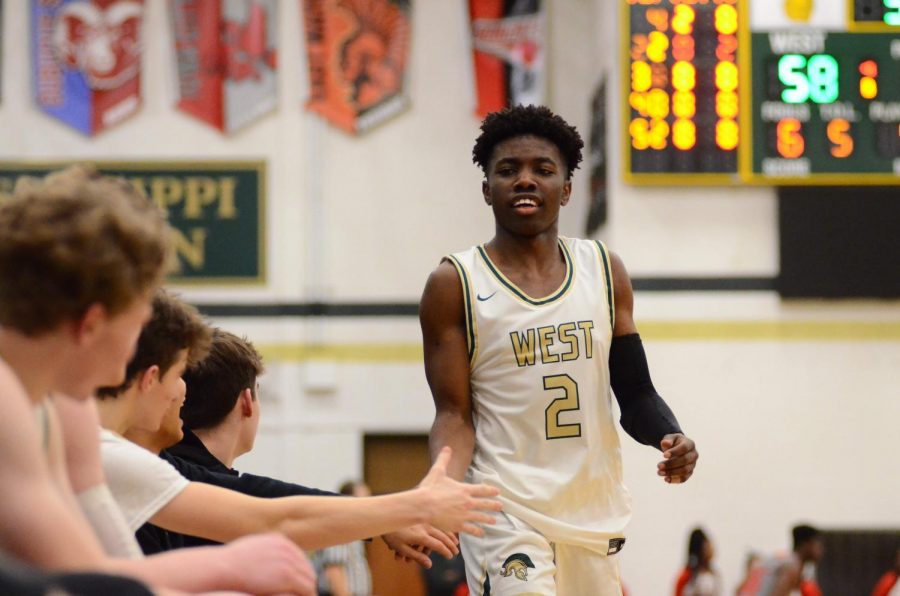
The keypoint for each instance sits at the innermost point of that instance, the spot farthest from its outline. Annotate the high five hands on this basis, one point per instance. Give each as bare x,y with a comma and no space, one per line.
679,458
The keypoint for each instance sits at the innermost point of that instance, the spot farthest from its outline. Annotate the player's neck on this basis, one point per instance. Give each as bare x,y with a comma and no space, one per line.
148,440
531,252
117,413
222,442
28,358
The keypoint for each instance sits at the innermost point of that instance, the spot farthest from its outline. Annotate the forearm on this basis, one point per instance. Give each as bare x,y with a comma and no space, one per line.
190,570
318,522
645,415
454,431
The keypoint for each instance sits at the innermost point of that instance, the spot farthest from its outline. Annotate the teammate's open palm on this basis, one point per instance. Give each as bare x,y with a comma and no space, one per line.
456,506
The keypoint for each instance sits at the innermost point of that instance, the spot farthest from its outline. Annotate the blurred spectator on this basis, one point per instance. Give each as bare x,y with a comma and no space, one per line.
889,584
343,570
698,578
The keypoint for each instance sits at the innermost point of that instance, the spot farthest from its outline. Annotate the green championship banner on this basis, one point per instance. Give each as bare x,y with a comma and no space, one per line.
217,211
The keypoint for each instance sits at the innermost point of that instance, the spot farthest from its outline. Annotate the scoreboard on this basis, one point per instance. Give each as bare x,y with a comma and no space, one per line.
826,105
683,85
715,94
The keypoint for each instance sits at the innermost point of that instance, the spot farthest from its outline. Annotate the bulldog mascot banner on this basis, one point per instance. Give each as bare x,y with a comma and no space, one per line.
87,60
227,60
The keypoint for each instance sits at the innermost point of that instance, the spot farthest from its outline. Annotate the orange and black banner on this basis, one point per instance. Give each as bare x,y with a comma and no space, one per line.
508,39
357,52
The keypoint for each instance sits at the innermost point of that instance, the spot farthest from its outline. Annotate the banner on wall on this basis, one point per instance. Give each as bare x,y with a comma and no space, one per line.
357,51
1,50
597,161
216,209
86,57
227,60
509,44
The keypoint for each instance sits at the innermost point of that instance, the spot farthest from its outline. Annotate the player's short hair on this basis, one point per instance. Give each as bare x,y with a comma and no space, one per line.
174,326
520,121
214,383
73,239
802,534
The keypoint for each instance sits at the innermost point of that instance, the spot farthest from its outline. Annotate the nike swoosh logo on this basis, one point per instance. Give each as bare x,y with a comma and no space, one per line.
480,299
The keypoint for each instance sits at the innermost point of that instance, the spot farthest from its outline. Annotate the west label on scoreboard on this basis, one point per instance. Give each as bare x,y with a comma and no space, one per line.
826,107
682,90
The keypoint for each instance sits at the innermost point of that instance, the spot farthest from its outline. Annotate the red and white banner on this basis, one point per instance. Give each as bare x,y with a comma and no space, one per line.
357,53
508,39
86,57
226,53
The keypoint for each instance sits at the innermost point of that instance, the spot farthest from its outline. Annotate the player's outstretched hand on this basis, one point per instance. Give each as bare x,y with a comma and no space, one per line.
271,564
415,543
456,506
679,458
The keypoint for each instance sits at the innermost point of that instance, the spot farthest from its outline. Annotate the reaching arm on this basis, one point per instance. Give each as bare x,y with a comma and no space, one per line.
408,542
316,522
442,317
645,415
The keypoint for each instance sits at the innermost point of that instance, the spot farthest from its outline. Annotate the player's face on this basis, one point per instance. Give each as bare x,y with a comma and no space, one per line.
526,185
172,427
166,390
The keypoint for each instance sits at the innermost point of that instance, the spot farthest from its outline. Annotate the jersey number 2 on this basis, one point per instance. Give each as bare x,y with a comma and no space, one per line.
567,402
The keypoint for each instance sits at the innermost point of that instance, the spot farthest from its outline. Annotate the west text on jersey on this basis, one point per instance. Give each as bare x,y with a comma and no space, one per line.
553,343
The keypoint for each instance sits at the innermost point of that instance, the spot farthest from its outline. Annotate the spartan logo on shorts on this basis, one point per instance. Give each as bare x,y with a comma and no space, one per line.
518,565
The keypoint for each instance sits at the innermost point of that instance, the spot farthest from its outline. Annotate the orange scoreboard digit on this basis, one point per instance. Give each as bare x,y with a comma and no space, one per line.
683,84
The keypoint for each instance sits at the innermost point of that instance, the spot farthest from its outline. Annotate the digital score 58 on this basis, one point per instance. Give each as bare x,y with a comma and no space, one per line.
826,105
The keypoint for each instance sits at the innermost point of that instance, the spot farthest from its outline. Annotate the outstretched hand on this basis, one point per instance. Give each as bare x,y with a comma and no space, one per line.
679,458
456,506
415,543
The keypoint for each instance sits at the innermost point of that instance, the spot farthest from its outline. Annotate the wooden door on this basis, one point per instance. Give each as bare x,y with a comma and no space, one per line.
393,463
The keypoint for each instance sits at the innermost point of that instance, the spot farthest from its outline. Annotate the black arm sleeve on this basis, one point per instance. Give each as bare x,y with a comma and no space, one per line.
645,416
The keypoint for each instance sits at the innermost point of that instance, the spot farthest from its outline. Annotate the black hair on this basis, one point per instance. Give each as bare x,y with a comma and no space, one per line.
520,121
695,548
803,534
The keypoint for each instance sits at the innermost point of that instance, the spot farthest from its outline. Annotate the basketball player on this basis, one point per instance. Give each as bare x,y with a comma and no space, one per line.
523,336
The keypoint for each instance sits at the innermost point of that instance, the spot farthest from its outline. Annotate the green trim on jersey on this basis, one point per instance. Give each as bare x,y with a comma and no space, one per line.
517,292
470,313
607,270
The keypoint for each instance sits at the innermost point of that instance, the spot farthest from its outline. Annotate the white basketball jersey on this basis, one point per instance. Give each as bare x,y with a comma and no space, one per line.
539,370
